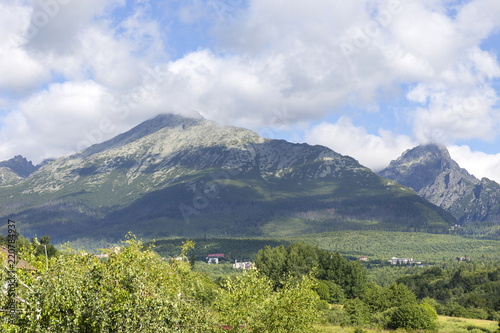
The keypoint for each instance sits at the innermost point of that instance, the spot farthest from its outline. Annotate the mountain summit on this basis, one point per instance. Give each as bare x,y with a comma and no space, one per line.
16,169
431,172
177,176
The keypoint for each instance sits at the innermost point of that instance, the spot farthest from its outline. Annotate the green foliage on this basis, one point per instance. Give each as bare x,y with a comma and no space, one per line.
342,278
412,316
358,311
248,301
272,262
322,290
234,248
462,289
336,316
136,291
382,245
132,291
335,291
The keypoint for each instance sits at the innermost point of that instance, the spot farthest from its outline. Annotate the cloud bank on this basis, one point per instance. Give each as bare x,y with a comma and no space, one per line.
79,72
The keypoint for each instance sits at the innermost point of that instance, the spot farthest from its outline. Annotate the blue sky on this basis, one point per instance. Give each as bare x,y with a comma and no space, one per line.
367,78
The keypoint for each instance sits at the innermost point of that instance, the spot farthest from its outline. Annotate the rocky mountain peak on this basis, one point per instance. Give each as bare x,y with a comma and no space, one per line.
143,129
434,175
419,167
19,165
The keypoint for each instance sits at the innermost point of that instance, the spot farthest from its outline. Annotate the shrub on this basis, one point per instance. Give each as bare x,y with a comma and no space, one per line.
414,317
337,316
358,311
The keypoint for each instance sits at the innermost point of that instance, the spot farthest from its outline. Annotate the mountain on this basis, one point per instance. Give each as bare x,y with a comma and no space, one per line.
15,169
431,172
19,165
177,176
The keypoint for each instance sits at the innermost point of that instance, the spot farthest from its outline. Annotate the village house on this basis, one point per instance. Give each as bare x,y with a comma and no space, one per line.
243,265
363,258
403,261
214,258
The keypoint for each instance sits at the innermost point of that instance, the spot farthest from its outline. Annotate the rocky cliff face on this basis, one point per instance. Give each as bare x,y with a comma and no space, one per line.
15,169
176,176
431,172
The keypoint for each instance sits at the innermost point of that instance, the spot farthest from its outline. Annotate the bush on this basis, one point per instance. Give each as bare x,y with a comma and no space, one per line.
382,319
337,316
414,317
358,311
322,305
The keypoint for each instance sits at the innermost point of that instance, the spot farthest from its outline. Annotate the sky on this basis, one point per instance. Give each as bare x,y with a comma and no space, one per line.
366,78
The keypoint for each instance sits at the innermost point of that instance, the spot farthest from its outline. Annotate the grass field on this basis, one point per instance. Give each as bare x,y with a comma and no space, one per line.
445,325
382,245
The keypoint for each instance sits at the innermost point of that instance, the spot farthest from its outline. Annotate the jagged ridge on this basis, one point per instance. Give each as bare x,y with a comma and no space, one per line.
431,172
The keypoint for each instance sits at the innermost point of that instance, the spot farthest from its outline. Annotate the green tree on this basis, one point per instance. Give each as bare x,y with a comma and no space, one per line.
272,262
302,258
249,302
358,311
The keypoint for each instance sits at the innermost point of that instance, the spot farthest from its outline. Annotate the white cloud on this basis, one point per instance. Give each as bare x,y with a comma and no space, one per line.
459,114
478,163
19,72
55,24
52,122
373,151
275,63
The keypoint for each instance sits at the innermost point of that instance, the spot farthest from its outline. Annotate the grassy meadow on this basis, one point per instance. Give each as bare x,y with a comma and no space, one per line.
445,325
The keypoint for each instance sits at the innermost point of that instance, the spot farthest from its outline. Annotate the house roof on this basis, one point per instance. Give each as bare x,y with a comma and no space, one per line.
221,255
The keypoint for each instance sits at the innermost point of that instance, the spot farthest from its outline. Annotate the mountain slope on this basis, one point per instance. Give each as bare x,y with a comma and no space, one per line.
176,176
431,172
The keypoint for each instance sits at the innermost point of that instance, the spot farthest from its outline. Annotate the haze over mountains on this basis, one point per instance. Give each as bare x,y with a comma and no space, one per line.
177,176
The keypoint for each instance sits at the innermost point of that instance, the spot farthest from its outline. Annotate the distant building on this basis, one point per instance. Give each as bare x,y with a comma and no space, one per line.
463,258
242,265
213,261
214,258
403,261
363,258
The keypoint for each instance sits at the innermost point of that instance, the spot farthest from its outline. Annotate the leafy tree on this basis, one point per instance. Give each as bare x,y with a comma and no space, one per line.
346,279
302,258
44,244
358,311
272,262
249,302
